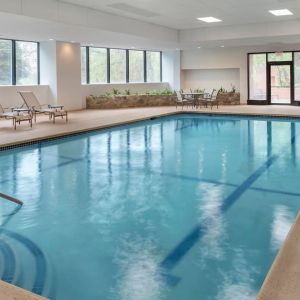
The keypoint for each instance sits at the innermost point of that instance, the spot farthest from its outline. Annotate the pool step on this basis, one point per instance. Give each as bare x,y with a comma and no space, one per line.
24,264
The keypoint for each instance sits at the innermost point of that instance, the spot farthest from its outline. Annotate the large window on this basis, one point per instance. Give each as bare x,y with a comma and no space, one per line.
117,65
5,62
26,63
98,65
136,66
153,66
83,65
104,65
19,62
258,76
297,75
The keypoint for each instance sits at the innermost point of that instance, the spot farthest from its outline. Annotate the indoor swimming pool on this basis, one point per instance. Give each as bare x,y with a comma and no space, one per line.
181,207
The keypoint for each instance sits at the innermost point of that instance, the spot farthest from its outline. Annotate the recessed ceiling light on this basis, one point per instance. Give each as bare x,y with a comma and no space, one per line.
281,12
199,47
222,46
51,39
209,19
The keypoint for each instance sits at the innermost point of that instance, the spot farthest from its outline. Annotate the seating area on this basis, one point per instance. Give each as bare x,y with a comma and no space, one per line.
197,99
29,110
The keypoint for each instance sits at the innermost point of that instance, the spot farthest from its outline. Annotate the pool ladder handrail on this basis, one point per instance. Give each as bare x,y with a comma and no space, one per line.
12,199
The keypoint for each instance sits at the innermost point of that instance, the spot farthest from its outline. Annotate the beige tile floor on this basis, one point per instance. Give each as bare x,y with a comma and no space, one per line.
283,280
11,292
91,119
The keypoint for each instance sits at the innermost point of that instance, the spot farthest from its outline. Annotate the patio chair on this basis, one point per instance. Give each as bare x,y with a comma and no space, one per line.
34,105
212,99
16,115
182,100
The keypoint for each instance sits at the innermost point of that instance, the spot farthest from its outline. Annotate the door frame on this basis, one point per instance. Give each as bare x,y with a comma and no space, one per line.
269,89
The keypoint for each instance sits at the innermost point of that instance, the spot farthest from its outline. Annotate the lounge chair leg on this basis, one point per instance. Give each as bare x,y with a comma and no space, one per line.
66,117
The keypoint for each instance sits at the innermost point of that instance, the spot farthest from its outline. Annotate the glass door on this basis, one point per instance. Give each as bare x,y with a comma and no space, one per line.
280,83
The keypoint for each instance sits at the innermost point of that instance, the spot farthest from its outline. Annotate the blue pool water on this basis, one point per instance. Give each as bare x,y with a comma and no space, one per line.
183,207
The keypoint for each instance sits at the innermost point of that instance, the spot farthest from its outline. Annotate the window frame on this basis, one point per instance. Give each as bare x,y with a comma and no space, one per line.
292,62
108,77
146,65
128,68
14,60
88,75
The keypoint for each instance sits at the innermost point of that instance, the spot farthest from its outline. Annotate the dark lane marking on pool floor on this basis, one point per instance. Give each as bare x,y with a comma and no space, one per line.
176,255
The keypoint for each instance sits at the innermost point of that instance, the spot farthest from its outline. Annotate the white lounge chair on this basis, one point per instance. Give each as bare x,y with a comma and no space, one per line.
34,105
17,115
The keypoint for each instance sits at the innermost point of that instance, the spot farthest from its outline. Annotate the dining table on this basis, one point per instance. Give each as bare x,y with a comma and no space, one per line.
195,96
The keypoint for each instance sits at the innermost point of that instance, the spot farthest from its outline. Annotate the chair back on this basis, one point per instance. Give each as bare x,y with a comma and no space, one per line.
214,94
30,99
2,111
179,96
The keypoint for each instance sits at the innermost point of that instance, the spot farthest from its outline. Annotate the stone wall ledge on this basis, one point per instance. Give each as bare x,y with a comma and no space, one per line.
114,102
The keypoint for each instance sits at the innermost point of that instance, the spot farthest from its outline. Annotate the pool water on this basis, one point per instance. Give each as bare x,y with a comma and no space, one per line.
182,207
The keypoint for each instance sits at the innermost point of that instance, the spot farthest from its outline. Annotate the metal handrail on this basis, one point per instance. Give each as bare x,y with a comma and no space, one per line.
10,198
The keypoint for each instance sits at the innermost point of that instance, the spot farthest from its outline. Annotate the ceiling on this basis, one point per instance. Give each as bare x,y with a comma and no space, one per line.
182,14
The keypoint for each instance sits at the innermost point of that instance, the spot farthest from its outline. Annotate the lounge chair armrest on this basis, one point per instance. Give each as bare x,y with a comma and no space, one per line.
56,106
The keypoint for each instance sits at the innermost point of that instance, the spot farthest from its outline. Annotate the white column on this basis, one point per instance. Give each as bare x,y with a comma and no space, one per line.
61,70
171,68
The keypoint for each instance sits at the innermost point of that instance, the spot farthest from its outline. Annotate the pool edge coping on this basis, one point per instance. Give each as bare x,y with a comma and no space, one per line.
61,135
282,280
13,292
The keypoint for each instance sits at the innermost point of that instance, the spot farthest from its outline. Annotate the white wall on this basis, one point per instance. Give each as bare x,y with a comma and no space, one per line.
211,79
9,96
45,19
227,58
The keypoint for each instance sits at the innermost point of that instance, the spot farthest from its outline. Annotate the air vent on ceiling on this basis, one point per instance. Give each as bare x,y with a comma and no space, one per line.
133,10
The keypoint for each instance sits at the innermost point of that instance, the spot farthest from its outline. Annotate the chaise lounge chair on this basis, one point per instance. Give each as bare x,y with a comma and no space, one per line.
34,105
17,115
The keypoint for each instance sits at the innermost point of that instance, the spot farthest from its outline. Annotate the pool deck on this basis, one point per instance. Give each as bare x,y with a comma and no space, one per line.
84,120
11,292
283,280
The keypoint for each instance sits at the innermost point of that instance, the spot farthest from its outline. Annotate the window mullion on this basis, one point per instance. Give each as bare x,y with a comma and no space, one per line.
14,70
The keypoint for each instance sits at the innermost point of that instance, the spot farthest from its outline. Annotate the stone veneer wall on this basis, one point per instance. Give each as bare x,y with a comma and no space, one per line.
104,102
229,98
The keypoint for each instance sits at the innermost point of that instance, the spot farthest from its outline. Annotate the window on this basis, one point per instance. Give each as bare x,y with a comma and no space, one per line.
280,56
153,66
257,77
98,65
117,65
83,65
5,62
136,66
26,63
297,75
